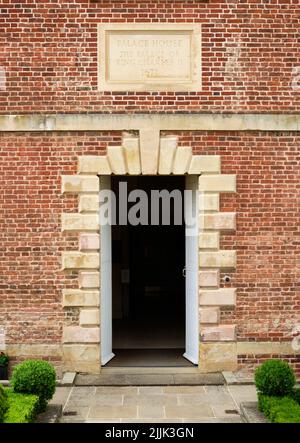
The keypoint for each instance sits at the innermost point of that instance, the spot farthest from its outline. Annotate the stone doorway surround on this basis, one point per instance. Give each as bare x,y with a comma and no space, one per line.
148,154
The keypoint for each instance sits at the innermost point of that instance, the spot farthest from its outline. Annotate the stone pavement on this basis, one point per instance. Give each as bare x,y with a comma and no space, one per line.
153,404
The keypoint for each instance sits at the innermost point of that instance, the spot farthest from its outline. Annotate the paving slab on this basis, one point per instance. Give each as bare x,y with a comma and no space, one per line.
106,400
204,400
215,420
82,392
151,411
68,379
243,393
183,390
150,390
125,390
112,412
151,420
154,404
225,410
76,412
152,400
60,396
191,412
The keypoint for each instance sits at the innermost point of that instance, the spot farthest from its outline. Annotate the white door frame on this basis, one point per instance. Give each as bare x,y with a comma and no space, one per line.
191,271
191,290
106,286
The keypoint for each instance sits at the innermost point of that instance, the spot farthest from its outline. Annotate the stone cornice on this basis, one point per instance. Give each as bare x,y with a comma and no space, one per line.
167,122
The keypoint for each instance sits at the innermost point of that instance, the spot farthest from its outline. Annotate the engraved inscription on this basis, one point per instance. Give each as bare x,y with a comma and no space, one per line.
148,57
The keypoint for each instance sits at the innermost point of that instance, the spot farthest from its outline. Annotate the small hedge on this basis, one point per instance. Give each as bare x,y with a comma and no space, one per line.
296,395
275,378
3,403
279,409
22,408
35,377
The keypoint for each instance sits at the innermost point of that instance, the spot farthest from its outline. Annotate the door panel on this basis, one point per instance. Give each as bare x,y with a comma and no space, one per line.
106,286
191,272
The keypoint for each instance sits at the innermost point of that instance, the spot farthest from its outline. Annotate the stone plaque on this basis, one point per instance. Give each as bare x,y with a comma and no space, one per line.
147,57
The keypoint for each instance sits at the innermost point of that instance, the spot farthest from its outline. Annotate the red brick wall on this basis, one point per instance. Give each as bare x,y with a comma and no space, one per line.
250,51
267,236
250,56
30,236
251,361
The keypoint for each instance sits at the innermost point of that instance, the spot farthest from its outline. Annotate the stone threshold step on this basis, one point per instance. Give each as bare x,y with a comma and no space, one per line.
251,414
122,379
128,370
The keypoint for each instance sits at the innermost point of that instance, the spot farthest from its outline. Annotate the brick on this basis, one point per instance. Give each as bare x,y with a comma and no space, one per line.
149,149
89,242
218,333
167,151
80,222
94,164
89,279
79,183
77,297
89,317
210,277
182,160
83,353
131,147
218,259
217,183
116,160
209,202
80,260
209,315
77,334
209,240
204,163
89,203
221,220
218,297
217,357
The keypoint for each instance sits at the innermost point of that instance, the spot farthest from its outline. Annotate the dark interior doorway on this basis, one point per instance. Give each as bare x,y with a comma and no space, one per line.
148,284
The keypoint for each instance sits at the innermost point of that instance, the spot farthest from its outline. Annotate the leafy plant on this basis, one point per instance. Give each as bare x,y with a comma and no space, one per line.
275,378
296,395
279,409
4,359
22,408
35,377
3,403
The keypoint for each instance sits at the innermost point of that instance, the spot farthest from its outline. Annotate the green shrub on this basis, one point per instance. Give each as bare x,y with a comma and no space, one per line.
3,403
35,377
279,409
275,378
296,395
22,408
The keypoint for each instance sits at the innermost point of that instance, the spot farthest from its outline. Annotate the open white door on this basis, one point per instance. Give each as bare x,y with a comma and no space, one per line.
106,285
191,271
